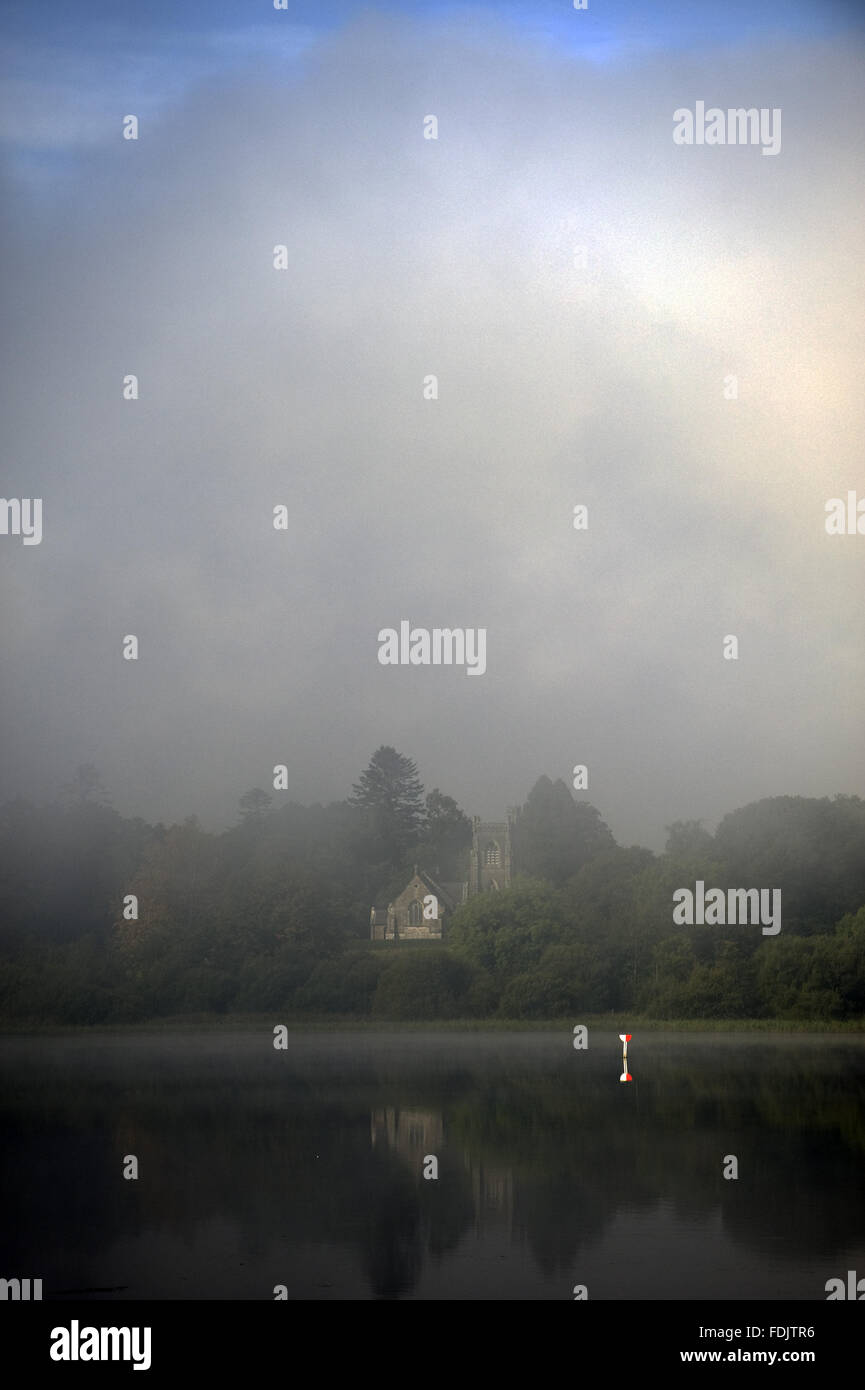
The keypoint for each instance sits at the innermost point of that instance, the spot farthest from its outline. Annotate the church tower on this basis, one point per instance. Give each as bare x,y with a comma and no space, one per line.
491,865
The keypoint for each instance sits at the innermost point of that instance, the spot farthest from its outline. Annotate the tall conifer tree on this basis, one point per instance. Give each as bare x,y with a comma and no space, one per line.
391,792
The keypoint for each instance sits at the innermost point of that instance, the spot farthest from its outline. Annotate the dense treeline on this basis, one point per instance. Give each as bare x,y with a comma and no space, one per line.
273,914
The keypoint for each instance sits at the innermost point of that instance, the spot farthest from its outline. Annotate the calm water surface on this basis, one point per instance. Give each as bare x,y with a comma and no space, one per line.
305,1167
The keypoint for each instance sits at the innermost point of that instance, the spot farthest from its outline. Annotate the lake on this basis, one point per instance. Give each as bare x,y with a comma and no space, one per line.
305,1167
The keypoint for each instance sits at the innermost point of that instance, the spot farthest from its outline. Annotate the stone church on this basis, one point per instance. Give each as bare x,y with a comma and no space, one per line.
422,908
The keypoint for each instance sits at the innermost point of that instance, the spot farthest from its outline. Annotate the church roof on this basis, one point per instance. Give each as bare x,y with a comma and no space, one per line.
449,894
440,890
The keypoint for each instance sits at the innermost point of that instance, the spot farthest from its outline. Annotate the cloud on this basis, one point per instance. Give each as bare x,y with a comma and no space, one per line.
68,95
557,385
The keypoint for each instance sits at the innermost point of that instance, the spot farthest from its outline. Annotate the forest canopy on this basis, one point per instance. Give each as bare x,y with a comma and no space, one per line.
273,914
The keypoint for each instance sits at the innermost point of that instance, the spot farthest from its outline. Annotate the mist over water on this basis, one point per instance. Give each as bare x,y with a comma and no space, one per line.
304,1168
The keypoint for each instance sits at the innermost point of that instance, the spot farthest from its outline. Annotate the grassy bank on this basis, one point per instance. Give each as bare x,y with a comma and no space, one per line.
237,1023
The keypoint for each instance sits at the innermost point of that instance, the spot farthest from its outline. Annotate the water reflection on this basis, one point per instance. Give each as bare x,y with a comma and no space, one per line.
306,1167
413,1135
410,1133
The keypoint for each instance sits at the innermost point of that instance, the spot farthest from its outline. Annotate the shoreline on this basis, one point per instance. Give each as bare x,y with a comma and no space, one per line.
604,1023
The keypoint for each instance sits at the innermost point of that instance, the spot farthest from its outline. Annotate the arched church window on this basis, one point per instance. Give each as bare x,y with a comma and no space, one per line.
492,855
415,913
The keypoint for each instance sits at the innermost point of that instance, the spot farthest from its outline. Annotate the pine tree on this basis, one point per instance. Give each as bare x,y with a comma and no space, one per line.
390,791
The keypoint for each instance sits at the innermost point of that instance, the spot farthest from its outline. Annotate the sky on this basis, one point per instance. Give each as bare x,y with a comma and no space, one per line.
597,378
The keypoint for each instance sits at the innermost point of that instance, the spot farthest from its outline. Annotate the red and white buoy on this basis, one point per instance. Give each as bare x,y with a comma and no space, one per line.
626,1075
